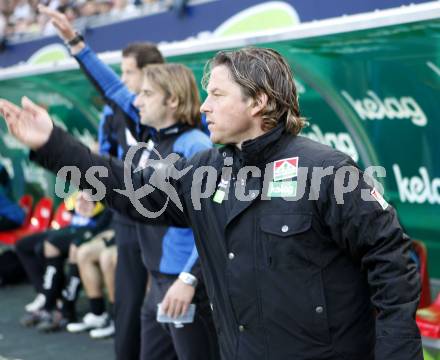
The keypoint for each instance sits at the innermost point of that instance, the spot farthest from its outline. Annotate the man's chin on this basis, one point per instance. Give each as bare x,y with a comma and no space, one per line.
144,122
214,138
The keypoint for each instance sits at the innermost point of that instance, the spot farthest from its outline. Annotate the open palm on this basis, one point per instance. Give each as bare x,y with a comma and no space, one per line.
31,124
60,21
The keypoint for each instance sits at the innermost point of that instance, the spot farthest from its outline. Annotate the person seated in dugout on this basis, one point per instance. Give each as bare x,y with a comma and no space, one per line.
297,266
11,214
96,261
43,256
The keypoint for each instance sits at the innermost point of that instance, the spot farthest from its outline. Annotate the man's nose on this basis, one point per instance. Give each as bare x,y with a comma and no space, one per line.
136,101
204,108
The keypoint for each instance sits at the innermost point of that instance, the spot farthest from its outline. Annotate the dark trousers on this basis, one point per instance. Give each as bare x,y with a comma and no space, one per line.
30,250
195,341
7,224
130,287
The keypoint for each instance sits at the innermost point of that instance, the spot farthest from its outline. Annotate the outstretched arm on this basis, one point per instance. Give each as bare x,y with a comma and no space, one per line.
58,151
102,76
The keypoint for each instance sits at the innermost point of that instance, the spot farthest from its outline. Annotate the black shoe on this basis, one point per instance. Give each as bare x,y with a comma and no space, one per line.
32,318
53,321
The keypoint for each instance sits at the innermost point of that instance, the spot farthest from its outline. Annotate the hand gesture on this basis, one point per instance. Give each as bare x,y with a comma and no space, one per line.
177,299
31,124
60,21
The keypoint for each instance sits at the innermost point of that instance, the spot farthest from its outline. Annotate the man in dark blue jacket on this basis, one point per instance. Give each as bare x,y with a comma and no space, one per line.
11,214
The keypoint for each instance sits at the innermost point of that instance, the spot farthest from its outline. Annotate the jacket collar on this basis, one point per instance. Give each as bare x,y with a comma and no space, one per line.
257,151
158,135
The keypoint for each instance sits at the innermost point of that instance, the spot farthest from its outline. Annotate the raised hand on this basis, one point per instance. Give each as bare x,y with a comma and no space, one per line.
60,21
31,124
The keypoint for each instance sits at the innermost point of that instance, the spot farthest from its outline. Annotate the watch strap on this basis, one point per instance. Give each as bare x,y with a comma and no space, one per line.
76,40
188,279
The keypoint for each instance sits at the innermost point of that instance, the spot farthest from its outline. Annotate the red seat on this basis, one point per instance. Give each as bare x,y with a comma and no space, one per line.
61,218
39,221
26,202
428,314
41,215
425,297
428,320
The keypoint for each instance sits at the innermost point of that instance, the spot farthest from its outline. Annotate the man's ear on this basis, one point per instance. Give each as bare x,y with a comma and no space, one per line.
173,102
259,104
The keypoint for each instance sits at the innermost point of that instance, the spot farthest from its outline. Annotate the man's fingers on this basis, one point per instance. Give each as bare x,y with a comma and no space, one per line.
28,105
165,305
50,12
9,111
177,308
185,307
170,311
7,106
58,19
11,114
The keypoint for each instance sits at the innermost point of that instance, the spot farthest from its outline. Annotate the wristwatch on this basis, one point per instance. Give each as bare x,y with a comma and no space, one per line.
76,40
188,279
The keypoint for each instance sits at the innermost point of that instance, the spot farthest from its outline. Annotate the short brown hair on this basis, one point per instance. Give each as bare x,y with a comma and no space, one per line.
259,70
176,80
144,53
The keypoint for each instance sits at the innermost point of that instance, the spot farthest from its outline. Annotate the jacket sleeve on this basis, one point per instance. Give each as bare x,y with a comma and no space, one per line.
193,143
192,266
107,83
150,204
106,139
370,232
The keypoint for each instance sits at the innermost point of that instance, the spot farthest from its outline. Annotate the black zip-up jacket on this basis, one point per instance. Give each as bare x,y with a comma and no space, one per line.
305,279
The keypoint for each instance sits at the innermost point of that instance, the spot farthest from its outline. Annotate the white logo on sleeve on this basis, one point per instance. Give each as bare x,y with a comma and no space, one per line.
129,138
379,198
143,161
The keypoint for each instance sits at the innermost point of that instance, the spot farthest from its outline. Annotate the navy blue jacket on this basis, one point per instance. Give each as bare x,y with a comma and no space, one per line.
8,208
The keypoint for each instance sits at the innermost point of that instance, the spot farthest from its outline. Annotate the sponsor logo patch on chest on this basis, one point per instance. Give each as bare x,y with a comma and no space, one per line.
282,189
285,168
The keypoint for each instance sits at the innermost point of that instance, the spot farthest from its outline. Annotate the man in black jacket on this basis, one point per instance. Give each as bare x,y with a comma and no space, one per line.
303,258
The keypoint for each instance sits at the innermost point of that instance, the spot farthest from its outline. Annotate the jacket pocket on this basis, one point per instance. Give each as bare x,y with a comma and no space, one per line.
285,238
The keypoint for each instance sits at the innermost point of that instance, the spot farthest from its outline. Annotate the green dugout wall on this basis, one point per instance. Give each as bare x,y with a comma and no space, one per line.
369,85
